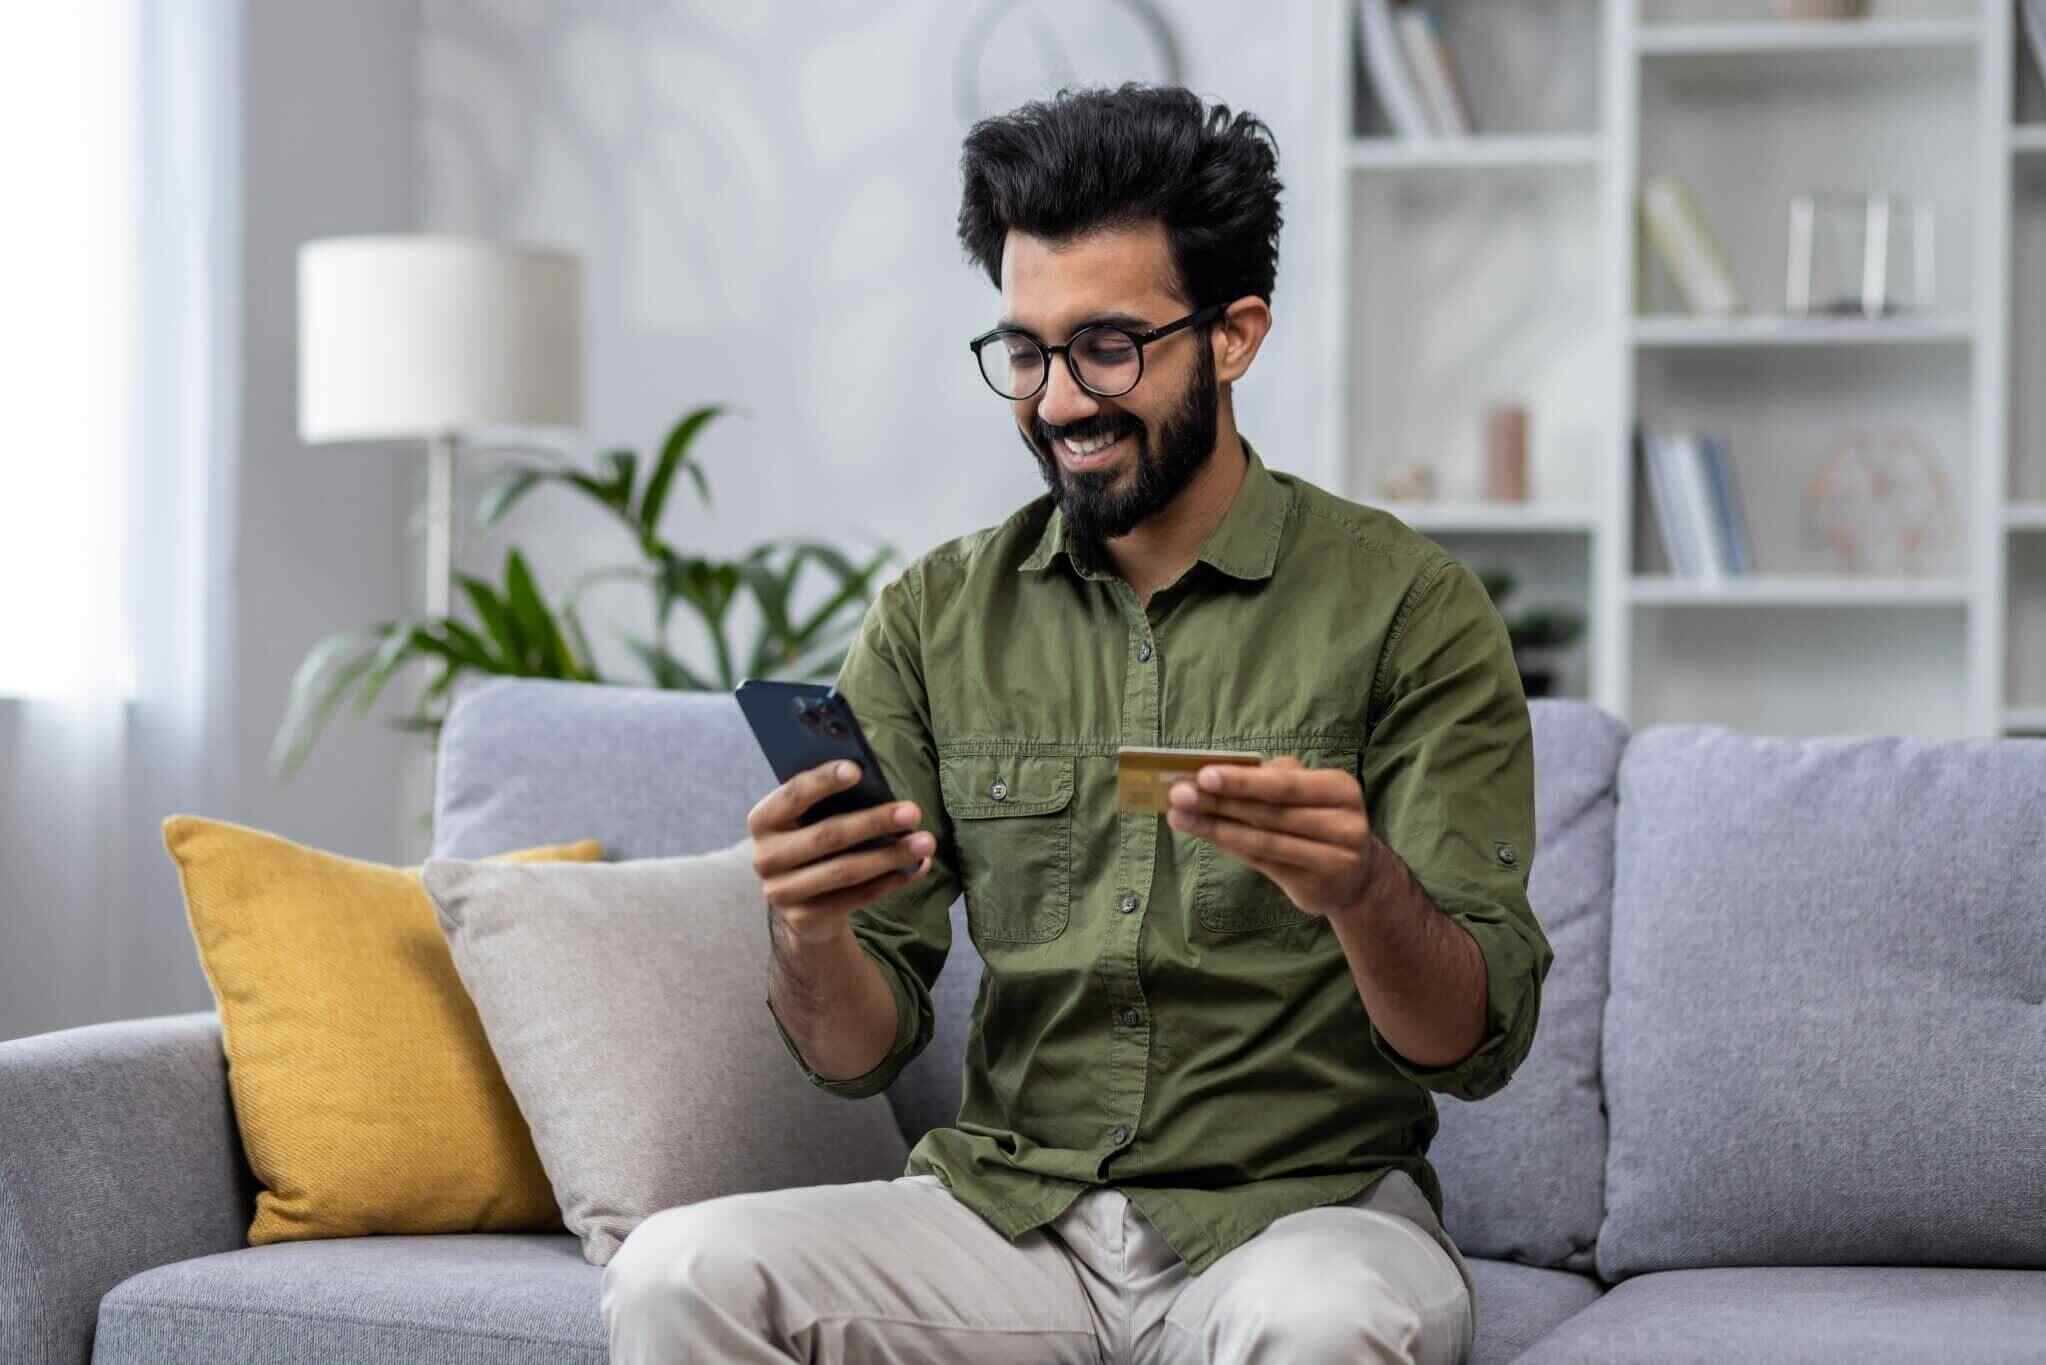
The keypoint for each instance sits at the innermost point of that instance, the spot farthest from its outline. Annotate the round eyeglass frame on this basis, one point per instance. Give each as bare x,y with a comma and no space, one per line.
1137,339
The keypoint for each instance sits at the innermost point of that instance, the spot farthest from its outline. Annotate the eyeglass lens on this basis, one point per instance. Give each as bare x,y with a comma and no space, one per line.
1105,360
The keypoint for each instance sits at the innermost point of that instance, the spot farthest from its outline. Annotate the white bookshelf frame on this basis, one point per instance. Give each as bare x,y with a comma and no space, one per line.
1980,332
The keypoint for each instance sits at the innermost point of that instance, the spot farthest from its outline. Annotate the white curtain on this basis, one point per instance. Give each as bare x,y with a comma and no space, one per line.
119,261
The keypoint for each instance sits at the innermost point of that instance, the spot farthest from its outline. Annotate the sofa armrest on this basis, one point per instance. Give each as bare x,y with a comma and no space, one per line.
118,1152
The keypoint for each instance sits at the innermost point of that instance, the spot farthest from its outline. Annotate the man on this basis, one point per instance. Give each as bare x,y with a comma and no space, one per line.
1197,1090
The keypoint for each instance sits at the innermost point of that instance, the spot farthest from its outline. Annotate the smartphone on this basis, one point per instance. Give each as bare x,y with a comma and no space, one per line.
800,726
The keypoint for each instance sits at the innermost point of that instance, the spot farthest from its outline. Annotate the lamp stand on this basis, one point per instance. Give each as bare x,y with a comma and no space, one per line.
440,522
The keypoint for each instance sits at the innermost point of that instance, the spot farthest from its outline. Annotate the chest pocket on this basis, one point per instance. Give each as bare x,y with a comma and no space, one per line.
1231,896
1011,815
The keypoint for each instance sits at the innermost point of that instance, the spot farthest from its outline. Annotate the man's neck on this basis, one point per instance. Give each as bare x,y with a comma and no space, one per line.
1155,554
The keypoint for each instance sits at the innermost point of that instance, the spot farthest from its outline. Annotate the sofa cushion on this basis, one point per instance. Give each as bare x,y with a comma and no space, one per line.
627,1007
455,1299
510,1299
652,774
1523,1172
1824,1042
1857,1316
1518,1305
367,1098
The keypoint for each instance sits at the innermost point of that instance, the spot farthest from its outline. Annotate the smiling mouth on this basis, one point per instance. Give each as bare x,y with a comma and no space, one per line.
1090,454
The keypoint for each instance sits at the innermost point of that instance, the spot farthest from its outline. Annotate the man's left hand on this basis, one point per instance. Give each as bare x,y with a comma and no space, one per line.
1305,828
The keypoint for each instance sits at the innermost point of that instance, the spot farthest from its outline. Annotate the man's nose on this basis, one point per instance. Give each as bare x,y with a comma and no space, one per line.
1064,400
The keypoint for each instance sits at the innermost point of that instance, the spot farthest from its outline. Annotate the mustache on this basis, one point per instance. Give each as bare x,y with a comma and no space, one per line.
1088,428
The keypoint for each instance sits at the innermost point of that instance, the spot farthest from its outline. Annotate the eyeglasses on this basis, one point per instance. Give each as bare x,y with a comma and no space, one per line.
1106,360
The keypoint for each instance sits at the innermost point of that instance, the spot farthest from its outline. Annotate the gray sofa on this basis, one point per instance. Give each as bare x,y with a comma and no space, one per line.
1788,1100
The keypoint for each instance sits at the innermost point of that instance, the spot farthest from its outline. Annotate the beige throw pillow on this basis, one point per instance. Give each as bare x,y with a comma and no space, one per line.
627,1006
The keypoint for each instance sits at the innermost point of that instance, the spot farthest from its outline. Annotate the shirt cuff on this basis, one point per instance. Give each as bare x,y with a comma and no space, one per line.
1513,974
878,1079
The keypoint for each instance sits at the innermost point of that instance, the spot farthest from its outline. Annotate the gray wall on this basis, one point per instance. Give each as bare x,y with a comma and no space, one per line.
330,112
765,196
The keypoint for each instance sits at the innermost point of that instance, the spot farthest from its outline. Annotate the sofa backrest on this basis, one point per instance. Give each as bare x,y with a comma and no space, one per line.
1824,1038
656,773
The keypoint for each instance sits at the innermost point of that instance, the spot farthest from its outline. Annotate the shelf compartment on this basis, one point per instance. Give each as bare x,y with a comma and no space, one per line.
1786,413
1796,590
1468,291
1676,329
2025,516
1812,36
1531,518
1762,670
1482,152
1527,71
2028,721
1746,140
2029,138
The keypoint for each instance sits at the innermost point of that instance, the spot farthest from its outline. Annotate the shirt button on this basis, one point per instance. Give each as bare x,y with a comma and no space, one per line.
999,790
1119,1135
1143,651
1129,1018
1127,904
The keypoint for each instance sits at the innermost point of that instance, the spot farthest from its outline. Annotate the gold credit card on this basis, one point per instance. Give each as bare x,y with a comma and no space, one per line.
1144,777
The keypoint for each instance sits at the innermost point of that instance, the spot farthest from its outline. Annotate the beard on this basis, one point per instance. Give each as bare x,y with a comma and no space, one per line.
1100,505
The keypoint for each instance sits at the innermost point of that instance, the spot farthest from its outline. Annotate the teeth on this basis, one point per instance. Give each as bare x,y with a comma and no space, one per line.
1085,448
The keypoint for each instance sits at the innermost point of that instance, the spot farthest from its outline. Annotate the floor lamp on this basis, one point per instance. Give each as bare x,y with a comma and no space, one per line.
429,338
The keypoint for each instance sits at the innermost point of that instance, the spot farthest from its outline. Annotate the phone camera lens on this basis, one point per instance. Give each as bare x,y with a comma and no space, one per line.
808,718
835,728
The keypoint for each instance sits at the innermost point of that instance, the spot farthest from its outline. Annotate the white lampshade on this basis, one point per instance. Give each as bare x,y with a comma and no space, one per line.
419,336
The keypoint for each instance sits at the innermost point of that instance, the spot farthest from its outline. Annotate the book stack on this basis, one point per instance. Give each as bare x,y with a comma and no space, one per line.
1410,70
1697,507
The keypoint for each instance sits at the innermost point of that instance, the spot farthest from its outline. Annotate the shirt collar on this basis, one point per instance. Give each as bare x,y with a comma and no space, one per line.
1244,545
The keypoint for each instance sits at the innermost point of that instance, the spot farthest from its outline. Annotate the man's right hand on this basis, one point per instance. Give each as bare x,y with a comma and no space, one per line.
808,875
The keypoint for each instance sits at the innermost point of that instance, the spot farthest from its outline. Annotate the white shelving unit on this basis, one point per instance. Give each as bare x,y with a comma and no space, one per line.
1508,267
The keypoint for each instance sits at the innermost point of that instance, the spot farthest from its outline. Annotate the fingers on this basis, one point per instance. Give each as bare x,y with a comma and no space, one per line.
848,879
783,807
1343,826
1283,780
786,851
866,893
1258,844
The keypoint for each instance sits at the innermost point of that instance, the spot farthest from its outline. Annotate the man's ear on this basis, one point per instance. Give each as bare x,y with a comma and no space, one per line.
1236,336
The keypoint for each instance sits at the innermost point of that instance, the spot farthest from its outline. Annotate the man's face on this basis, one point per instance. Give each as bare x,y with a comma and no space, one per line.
1161,432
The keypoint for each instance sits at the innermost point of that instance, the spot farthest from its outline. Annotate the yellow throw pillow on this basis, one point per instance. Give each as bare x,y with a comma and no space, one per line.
368,1098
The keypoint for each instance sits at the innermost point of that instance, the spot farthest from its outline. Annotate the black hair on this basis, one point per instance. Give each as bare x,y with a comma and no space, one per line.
1092,159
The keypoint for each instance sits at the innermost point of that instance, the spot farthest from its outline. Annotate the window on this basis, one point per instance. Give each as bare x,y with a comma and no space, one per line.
69,267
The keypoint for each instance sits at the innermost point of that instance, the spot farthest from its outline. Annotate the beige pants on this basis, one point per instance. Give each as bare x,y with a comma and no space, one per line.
899,1271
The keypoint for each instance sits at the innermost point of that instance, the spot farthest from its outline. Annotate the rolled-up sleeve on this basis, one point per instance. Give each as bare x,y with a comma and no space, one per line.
908,931
1448,778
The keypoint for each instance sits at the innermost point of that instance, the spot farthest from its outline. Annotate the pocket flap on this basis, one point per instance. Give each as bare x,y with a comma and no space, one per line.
988,786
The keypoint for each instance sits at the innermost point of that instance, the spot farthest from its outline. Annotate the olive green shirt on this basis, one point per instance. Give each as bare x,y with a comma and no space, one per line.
1154,1014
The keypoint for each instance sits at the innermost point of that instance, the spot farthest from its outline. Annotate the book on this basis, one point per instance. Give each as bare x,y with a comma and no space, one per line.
1391,82
1421,40
1686,247
1694,496
2035,32
1662,498
1732,521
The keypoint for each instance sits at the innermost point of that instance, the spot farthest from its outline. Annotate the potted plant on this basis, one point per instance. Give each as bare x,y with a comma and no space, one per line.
516,630
1537,633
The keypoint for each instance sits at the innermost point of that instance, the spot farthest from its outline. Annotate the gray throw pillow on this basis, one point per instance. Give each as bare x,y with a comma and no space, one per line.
627,1009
